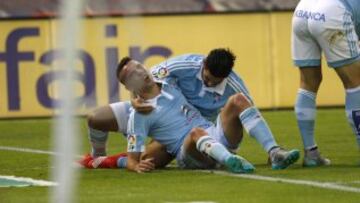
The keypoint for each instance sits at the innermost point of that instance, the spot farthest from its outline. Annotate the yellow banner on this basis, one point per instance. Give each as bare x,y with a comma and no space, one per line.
29,58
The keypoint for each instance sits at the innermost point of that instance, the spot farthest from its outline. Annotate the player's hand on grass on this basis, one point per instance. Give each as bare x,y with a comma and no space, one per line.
140,105
145,165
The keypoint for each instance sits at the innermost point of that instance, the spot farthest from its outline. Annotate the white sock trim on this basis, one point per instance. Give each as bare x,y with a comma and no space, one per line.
307,93
250,124
201,140
352,90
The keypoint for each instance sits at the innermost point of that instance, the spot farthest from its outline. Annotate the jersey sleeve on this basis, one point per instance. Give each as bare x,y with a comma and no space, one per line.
176,67
138,129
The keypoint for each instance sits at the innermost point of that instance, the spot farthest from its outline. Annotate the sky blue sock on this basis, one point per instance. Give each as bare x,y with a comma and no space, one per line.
305,110
256,126
352,106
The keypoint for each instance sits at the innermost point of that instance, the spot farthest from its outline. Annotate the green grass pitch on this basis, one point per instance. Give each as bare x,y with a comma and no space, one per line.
333,135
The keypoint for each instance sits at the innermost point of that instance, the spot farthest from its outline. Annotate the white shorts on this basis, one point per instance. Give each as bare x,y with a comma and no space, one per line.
121,111
324,25
185,160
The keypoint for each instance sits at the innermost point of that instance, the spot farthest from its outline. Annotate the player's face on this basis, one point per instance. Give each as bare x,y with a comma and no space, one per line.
210,80
135,77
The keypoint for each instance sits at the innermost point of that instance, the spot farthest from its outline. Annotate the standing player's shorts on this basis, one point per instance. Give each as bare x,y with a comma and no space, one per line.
185,160
121,111
324,25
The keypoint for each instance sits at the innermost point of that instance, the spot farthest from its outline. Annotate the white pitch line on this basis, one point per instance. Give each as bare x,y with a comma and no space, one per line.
30,180
325,185
27,150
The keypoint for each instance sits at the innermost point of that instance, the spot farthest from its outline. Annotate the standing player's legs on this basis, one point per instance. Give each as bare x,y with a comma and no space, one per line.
306,54
238,106
350,77
338,39
305,109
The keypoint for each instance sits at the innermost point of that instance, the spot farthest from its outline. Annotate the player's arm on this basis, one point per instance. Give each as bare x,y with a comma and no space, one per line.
135,164
138,129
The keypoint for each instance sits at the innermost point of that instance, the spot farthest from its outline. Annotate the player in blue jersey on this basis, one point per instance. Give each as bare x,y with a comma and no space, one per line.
176,124
332,27
208,83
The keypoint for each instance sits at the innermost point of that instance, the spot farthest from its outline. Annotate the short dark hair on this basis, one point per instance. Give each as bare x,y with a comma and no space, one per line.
220,62
121,65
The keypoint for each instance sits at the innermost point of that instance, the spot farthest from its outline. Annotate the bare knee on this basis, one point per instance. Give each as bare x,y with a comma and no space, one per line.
197,133
238,103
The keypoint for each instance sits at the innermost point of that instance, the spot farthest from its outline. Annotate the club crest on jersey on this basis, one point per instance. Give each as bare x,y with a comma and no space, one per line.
162,72
131,142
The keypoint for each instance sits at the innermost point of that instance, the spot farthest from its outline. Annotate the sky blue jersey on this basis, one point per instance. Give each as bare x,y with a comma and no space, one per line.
186,71
169,123
354,7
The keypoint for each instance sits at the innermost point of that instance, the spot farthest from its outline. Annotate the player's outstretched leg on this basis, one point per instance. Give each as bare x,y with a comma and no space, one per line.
209,146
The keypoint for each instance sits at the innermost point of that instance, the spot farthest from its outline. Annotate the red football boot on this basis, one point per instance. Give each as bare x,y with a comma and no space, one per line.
85,161
105,161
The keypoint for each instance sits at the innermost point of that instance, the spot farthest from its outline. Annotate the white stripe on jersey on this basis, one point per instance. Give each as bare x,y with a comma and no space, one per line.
182,65
238,85
176,66
233,87
170,64
181,68
131,119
